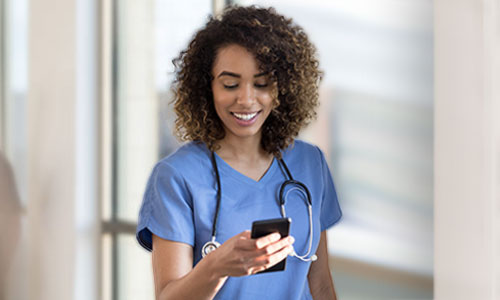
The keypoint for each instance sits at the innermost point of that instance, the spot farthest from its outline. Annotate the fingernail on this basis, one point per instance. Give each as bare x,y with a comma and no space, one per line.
276,236
291,240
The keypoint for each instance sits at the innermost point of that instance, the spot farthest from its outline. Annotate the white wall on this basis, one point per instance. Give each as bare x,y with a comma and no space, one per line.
467,149
60,233
51,168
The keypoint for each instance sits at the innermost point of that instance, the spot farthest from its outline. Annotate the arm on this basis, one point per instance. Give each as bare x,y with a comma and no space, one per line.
175,278
319,277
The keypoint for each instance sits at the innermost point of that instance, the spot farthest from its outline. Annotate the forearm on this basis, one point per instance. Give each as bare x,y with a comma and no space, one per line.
320,277
200,283
323,292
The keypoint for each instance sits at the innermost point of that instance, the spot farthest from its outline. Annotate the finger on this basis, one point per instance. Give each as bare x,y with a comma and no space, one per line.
258,269
242,240
245,234
274,247
267,240
278,256
271,260
253,244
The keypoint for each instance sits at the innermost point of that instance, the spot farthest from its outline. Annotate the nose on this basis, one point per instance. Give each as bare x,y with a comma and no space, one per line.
246,96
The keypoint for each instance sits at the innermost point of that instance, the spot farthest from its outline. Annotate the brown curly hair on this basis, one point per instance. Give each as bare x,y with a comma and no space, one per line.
280,47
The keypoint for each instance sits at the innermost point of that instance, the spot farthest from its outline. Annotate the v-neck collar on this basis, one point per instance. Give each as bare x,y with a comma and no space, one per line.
226,169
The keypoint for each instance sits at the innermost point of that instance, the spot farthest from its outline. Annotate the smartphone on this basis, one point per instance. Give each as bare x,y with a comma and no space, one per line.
265,227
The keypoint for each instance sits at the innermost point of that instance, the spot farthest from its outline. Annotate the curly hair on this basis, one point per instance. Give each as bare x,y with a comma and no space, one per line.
280,47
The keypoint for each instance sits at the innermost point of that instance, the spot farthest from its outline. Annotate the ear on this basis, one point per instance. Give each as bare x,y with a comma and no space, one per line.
276,103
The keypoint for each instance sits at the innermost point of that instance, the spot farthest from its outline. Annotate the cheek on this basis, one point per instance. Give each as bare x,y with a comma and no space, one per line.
221,101
266,99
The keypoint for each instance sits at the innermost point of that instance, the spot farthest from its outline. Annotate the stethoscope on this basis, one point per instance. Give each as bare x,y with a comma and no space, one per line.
297,186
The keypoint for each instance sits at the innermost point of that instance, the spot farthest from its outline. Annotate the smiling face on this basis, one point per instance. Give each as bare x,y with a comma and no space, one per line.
243,94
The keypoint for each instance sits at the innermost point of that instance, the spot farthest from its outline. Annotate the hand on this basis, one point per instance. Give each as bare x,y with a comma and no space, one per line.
241,255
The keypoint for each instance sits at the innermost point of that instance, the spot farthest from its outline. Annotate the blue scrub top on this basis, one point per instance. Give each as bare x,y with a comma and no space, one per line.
180,200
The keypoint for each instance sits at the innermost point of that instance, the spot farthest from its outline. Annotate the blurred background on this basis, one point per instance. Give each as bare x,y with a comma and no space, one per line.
85,115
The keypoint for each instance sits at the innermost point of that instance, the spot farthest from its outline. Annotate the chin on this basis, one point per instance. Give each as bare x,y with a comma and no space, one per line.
244,133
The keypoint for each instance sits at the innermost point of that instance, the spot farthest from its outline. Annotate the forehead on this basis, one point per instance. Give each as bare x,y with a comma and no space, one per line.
236,59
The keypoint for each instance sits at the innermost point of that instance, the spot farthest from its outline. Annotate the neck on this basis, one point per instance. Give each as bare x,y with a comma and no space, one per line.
246,149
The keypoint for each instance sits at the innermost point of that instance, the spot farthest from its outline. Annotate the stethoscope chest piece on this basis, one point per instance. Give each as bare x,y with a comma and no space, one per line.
209,247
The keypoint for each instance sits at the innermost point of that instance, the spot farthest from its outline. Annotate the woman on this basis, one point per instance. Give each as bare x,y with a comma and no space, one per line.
246,85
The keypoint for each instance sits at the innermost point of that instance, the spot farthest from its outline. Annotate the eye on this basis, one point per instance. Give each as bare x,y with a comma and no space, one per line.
261,86
230,87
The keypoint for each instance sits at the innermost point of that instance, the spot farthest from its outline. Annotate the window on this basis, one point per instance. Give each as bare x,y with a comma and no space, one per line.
13,88
13,146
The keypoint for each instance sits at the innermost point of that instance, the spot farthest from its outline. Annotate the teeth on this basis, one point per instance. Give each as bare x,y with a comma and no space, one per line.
245,117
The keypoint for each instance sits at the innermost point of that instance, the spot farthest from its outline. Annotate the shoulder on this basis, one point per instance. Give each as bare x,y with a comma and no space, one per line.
187,161
302,150
304,156
191,152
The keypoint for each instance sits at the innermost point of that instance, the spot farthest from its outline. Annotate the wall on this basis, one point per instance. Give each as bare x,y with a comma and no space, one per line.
467,149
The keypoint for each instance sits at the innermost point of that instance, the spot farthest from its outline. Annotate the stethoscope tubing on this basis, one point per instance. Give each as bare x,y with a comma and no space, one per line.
213,244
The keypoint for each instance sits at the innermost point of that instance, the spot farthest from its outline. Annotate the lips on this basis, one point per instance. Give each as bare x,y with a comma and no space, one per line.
245,119
245,116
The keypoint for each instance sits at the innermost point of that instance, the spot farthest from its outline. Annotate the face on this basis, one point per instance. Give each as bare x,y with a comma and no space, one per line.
243,94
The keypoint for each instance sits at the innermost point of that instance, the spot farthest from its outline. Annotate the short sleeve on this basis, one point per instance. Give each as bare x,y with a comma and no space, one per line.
330,208
166,209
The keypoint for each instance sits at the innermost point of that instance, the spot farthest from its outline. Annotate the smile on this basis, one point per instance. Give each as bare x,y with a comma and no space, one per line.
245,116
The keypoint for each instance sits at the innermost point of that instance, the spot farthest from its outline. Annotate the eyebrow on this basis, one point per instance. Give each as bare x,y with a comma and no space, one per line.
227,73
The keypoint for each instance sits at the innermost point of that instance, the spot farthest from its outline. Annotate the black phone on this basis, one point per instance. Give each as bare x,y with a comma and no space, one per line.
265,227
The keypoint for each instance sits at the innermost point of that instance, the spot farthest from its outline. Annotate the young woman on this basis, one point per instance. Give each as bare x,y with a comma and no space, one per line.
246,85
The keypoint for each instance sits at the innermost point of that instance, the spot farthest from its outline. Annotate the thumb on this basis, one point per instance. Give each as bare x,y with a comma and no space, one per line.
245,234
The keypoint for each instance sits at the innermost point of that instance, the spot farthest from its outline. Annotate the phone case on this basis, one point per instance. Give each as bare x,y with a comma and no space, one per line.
265,227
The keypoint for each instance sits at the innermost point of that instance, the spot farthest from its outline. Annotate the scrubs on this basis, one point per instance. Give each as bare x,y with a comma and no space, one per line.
180,200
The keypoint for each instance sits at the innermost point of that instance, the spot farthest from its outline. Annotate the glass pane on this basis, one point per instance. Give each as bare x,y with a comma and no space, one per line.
15,90
135,274
150,35
14,239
